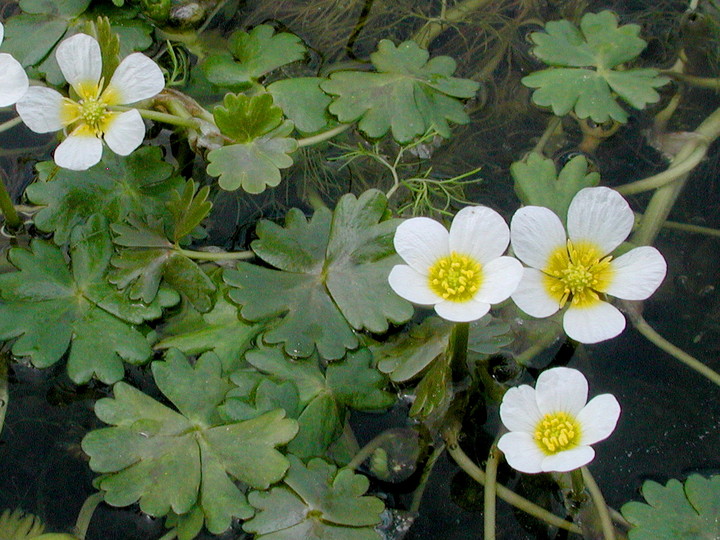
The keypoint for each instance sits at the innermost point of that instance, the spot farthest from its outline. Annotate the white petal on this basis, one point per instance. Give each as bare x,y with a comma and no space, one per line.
2,33
14,80
637,273
518,410
480,232
531,295
40,108
521,452
592,324
561,389
568,460
136,78
412,286
500,278
78,152
468,311
421,242
598,418
535,232
600,215
125,132
80,61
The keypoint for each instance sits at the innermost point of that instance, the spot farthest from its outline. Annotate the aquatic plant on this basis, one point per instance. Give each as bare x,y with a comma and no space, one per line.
243,273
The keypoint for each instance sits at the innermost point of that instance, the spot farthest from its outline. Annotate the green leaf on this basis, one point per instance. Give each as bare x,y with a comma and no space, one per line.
219,330
303,101
118,186
433,392
255,53
169,460
150,258
244,118
50,307
317,502
254,165
29,38
408,95
675,511
573,84
61,8
332,277
188,209
323,397
109,43
538,183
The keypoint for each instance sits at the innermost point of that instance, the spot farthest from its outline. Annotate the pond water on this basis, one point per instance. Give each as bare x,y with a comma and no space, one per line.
670,421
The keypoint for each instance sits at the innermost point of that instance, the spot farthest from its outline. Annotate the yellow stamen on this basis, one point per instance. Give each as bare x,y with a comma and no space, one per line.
579,273
557,432
456,277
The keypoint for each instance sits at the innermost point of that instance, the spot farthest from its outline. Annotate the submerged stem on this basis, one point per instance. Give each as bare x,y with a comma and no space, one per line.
86,513
608,528
9,124
12,219
450,434
4,392
490,492
429,465
323,136
215,255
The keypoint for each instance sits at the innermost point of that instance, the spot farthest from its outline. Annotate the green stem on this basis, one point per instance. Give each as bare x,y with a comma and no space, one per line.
608,528
215,256
434,28
457,349
86,513
4,392
12,219
165,118
450,434
170,535
551,128
367,450
324,136
490,492
693,80
10,124
660,342
686,227
420,490
578,486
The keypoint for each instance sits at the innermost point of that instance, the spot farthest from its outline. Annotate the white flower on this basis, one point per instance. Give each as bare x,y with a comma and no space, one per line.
13,80
461,272
578,270
89,120
551,426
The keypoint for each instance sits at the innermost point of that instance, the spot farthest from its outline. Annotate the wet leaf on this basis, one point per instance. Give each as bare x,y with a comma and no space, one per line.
583,78
303,101
188,209
409,94
150,258
50,308
316,502
178,460
688,511
254,54
116,187
433,392
538,183
244,118
332,277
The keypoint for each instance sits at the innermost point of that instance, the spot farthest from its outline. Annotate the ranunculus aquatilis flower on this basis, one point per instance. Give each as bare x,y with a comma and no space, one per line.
461,272
577,269
89,120
13,80
552,426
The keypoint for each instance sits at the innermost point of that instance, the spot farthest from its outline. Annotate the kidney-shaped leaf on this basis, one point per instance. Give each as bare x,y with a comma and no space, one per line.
170,460
318,502
584,78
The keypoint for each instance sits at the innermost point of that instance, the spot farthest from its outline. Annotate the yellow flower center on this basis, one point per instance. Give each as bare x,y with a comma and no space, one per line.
456,277
94,112
556,432
578,272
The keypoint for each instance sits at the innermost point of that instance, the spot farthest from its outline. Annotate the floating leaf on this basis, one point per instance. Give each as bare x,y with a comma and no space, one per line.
538,183
254,54
116,187
188,209
573,84
332,277
676,511
254,165
244,118
179,460
317,502
50,307
150,258
323,397
303,101
409,94
219,330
